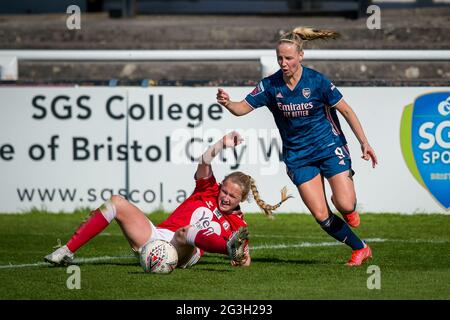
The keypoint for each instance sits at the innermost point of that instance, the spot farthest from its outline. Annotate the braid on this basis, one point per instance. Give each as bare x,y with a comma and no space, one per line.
301,34
247,183
267,208
311,34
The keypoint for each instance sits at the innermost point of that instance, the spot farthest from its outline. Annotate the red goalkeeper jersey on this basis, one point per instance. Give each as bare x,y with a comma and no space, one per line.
201,210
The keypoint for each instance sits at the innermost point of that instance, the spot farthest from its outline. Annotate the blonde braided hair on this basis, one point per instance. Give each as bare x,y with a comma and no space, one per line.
299,35
247,183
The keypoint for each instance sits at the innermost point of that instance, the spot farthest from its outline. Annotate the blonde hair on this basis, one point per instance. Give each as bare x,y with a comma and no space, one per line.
300,35
247,183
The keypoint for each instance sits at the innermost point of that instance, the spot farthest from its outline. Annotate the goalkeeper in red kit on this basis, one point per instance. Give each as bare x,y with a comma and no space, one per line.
210,220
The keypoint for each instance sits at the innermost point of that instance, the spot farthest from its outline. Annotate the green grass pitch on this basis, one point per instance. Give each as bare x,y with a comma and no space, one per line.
292,259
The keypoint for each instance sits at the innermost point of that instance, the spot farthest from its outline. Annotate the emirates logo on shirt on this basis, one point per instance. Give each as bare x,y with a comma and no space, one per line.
293,110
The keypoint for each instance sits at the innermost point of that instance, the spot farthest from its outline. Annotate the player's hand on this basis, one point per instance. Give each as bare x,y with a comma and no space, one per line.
232,139
222,97
369,154
244,262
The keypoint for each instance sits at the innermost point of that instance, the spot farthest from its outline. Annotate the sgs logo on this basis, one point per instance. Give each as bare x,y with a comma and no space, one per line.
432,133
425,141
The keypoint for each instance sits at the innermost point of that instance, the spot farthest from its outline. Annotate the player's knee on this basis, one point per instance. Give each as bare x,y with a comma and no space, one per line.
117,199
118,202
321,215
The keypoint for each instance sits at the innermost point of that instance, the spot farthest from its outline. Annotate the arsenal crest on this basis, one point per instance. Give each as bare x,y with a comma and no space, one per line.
306,92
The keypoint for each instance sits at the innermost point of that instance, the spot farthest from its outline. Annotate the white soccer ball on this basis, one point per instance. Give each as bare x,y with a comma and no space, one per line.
158,256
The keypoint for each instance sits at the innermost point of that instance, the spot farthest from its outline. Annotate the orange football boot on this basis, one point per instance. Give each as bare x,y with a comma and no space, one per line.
359,256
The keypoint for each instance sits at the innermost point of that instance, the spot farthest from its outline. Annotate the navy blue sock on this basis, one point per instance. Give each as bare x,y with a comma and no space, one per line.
338,229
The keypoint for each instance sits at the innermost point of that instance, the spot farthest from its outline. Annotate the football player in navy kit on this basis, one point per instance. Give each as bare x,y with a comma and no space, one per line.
304,103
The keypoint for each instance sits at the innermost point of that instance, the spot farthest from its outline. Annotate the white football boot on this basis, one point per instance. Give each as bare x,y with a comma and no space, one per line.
61,256
236,244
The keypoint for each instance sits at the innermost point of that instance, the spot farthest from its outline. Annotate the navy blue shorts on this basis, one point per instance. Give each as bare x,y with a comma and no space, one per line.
328,167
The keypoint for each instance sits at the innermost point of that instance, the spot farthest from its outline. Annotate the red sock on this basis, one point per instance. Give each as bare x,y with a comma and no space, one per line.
89,229
210,242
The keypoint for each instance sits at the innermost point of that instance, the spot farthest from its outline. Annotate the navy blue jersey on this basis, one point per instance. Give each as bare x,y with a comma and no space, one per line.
308,123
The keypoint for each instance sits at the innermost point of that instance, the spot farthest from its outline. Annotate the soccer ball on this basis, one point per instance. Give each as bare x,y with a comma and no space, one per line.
158,256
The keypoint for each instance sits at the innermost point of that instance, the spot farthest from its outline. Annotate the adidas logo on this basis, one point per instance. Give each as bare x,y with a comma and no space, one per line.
342,162
279,95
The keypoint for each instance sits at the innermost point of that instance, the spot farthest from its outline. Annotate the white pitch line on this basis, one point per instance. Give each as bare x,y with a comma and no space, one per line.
309,244
102,259
260,247
14,266
76,261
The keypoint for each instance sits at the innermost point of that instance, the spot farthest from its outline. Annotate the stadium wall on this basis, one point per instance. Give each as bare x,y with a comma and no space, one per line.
63,148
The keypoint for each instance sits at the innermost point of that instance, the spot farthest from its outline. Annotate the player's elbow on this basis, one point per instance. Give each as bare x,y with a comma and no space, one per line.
180,236
239,108
237,113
